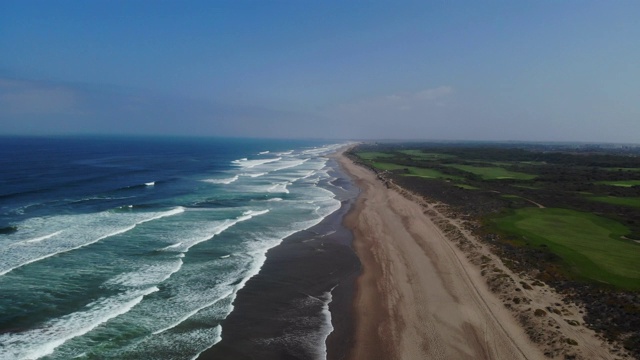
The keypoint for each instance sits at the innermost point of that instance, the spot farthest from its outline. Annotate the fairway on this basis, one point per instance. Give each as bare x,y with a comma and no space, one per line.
493,173
616,200
621,183
426,155
413,171
590,246
370,155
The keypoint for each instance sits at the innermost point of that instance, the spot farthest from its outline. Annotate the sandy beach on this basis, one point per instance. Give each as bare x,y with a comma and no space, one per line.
276,314
420,297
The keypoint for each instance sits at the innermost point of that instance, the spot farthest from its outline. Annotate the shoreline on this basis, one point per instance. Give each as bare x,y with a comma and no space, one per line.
437,292
285,303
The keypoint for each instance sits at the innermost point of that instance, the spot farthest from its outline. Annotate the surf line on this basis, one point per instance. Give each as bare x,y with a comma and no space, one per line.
172,212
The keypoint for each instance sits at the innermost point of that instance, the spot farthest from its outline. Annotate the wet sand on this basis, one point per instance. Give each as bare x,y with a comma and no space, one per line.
276,314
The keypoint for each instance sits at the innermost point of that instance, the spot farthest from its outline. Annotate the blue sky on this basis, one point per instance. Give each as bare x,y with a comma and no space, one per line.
467,70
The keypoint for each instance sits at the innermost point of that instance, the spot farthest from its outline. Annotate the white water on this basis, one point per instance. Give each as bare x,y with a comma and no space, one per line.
34,344
245,163
80,231
225,181
327,327
190,291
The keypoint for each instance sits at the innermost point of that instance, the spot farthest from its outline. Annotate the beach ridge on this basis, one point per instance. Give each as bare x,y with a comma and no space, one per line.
430,290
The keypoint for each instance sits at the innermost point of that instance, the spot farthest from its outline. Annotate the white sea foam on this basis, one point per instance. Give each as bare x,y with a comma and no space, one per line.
245,163
290,164
289,152
249,263
147,275
152,183
191,313
37,343
40,238
171,246
310,173
255,175
327,327
263,152
193,301
82,233
319,151
216,339
214,230
279,188
225,181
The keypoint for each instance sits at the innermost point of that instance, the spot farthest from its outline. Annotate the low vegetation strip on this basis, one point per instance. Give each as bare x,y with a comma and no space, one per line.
493,173
426,155
372,155
616,200
411,170
621,183
590,246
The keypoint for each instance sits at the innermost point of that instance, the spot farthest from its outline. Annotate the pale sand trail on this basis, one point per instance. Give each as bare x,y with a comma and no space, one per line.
419,297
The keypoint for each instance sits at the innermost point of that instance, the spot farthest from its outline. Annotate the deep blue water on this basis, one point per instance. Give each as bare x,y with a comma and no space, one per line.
134,248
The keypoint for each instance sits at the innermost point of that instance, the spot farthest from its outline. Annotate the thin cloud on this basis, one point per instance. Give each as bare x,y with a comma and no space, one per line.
434,94
23,97
400,102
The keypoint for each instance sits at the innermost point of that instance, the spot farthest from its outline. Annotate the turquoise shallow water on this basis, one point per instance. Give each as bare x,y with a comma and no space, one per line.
135,248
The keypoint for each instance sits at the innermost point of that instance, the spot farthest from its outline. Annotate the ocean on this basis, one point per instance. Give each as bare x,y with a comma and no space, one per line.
135,248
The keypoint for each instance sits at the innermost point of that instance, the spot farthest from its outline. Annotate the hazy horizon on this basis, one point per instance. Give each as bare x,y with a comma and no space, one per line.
462,71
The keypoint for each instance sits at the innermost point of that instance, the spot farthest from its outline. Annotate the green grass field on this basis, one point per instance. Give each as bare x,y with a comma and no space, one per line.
413,171
371,155
621,183
616,200
527,187
426,155
590,246
493,173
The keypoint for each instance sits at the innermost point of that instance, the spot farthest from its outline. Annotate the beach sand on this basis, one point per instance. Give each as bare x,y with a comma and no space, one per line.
412,292
271,317
429,293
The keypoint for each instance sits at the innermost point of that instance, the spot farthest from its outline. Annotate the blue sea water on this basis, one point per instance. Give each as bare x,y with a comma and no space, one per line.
134,248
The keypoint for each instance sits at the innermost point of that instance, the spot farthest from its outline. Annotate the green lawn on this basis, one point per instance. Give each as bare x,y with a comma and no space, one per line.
591,246
527,187
426,155
622,183
493,173
371,155
413,171
616,200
